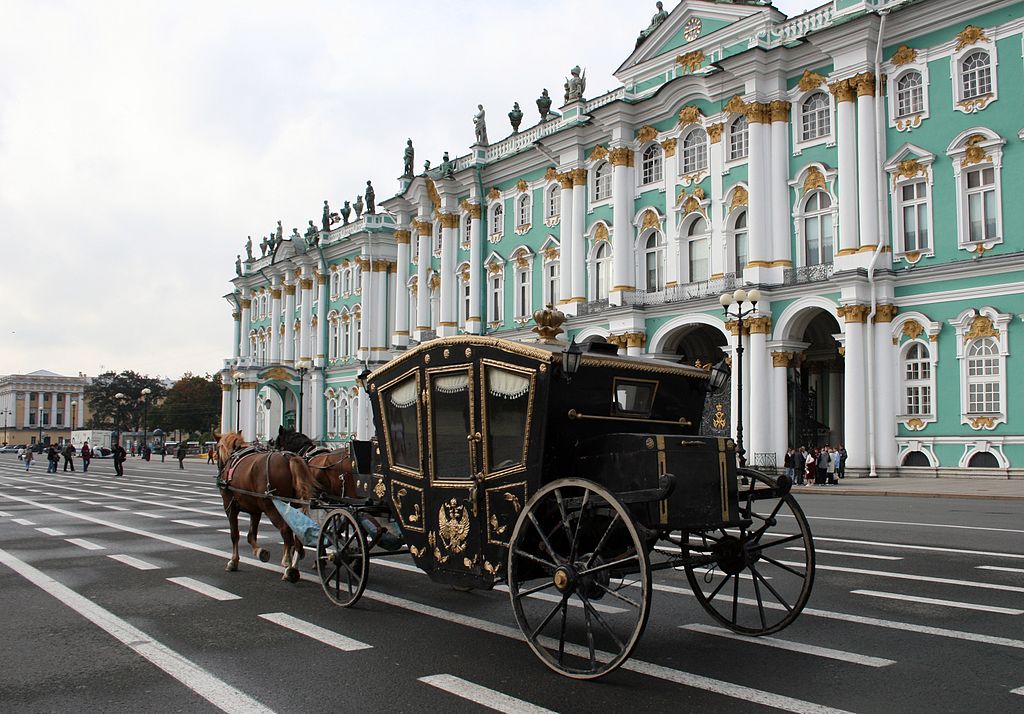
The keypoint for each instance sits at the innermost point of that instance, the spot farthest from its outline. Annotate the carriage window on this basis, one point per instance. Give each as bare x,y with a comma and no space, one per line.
402,424
634,397
451,423
507,402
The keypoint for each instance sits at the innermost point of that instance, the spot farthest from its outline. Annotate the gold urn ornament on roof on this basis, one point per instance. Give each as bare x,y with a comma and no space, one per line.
549,324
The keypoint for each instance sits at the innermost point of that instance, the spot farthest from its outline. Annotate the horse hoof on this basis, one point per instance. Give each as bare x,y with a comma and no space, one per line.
301,554
232,566
291,575
263,554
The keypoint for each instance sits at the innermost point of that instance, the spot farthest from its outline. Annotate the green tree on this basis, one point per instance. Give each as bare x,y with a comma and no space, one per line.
192,405
109,412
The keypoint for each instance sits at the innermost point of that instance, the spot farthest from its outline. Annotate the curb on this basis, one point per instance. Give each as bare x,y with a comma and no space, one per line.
908,494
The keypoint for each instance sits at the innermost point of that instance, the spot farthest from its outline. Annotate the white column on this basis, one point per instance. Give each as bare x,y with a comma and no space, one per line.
246,304
53,409
364,424
719,251
275,321
380,309
867,160
780,405
289,319
855,398
849,239
577,260
80,422
316,401
236,332
885,389
423,232
760,388
28,409
474,321
306,313
400,338
248,411
365,339
565,292
225,408
323,325
781,216
623,278
759,241
448,323
671,229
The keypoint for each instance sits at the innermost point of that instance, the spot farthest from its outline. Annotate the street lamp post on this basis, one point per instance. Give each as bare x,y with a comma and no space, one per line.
6,413
301,366
120,397
738,298
74,410
145,415
40,428
238,377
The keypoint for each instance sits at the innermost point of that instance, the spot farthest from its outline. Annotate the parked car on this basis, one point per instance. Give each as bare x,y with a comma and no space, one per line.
101,452
9,449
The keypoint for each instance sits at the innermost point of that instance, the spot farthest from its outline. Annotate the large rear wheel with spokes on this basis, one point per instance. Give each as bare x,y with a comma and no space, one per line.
342,557
579,578
762,572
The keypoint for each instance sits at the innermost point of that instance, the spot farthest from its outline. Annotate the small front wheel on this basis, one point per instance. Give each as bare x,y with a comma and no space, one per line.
342,557
579,577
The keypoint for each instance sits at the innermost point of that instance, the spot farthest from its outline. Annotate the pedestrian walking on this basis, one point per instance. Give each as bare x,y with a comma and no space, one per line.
52,458
163,453
209,455
26,456
787,463
119,457
181,455
86,457
132,447
146,452
69,456
841,471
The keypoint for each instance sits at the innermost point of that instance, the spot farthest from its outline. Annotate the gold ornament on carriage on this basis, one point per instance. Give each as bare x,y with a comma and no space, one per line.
453,525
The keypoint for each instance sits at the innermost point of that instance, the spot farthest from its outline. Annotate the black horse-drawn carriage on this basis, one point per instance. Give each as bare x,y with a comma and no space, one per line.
569,477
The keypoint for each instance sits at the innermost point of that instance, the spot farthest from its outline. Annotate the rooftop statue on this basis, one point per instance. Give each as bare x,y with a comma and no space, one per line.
312,235
480,124
238,265
426,166
544,105
575,85
248,250
326,219
516,117
264,244
408,159
370,198
346,211
280,233
447,167
295,234
358,205
659,17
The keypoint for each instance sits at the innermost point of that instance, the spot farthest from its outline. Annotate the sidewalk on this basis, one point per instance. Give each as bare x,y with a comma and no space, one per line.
1012,489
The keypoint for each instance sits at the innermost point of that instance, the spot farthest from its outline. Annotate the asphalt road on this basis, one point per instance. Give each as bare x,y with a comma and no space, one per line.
918,606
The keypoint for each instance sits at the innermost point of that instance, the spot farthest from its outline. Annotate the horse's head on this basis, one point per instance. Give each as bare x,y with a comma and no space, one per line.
228,444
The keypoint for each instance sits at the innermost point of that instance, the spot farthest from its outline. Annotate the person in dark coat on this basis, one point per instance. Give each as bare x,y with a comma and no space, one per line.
119,455
181,455
163,453
86,457
69,456
52,458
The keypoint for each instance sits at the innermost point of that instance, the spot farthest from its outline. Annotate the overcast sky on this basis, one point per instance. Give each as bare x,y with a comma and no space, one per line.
142,141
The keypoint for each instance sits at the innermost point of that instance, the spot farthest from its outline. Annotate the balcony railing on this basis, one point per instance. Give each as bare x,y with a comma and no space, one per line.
592,307
682,293
807,274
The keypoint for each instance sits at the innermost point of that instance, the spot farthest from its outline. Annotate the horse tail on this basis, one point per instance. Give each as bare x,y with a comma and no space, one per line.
302,478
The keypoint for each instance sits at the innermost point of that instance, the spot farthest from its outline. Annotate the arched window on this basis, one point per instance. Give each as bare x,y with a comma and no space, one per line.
497,219
817,228
815,117
552,273
602,270
699,250
332,416
261,420
650,164
496,292
983,460
467,228
695,151
524,290
345,335
602,181
741,251
333,341
344,416
346,281
436,248
909,94
465,290
975,75
917,381
654,262
916,458
335,284
983,382
523,206
739,144
553,201
357,329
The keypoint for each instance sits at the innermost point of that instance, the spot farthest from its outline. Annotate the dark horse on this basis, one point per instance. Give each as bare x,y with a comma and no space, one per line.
246,480
331,470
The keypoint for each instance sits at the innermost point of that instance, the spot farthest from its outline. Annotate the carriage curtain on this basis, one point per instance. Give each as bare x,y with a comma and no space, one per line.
451,383
404,395
506,385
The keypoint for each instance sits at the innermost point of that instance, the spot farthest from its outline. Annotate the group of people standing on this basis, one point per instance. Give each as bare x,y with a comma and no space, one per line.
816,466
117,453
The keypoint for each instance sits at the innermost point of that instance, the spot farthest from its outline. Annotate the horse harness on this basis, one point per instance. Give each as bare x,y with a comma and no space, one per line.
236,458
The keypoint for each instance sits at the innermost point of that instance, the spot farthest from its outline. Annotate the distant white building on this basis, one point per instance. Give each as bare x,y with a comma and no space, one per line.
41,404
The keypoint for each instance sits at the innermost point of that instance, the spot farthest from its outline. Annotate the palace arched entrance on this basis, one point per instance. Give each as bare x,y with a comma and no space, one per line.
816,382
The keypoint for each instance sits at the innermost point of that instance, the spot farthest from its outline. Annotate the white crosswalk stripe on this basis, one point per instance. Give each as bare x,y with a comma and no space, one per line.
777,643
321,634
205,589
943,603
482,695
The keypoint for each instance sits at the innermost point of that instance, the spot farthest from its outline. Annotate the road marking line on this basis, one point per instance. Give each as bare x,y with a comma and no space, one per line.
204,589
146,515
482,695
943,603
4,514
217,692
23,521
909,523
134,562
51,531
32,490
191,523
66,498
321,634
87,544
931,548
548,597
1000,568
116,508
853,555
827,652
919,578
92,503
1018,690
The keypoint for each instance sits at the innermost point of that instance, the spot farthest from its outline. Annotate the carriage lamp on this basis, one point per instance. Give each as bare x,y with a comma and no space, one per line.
362,377
571,359
719,376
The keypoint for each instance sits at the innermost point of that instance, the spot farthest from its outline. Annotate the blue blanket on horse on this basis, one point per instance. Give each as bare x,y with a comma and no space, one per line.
302,525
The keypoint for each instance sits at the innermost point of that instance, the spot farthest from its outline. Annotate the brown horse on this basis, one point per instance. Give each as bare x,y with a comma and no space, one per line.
331,470
243,483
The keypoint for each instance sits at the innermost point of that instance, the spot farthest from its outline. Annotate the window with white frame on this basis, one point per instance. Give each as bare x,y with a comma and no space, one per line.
496,292
984,365
698,239
357,331
436,245
313,342
977,160
650,165
335,285
552,273
917,380
909,94
695,151
553,201
740,246
654,262
333,339
975,75
980,191
982,345
739,138
818,233
345,334
602,181
357,278
497,219
344,416
523,210
346,281
914,219
602,270
332,415
467,229
815,117
465,290
296,342
524,288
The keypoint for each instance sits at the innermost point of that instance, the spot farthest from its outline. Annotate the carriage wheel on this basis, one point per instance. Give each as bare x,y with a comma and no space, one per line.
763,573
579,578
343,558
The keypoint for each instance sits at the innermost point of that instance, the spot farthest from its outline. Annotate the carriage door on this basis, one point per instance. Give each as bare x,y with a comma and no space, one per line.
453,436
